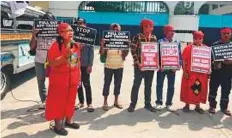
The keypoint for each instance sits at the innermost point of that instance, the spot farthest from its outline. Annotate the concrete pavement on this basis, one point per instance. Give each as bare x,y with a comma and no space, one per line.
16,122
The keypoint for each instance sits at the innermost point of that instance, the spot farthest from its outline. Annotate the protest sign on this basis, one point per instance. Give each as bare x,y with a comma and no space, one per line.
116,40
149,56
84,35
169,56
201,59
222,52
47,28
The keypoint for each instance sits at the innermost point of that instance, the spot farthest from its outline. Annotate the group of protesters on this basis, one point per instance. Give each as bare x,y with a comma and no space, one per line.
71,65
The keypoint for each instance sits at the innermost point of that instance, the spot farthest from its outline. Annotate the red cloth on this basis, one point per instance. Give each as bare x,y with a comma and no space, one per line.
187,85
61,27
146,22
198,34
63,83
168,28
226,30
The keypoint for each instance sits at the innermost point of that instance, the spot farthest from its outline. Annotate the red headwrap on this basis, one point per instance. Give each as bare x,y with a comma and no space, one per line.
198,34
61,27
226,30
146,22
168,28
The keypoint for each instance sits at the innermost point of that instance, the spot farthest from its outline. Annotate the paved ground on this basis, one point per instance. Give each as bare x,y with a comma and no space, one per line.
16,122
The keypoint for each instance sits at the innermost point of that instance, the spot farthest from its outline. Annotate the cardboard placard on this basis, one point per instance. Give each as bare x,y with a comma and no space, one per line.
201,59
149,56
169,56
222,52
47,28
84,35
116,40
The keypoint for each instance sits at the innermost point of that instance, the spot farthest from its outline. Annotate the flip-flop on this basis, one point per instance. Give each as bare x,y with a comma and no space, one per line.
186,109
199,110
119,106
105,107
226,112
90,109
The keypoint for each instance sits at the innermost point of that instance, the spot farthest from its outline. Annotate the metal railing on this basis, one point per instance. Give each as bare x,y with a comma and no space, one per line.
124,6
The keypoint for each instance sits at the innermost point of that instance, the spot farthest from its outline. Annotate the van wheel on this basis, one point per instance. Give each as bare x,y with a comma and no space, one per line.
5,83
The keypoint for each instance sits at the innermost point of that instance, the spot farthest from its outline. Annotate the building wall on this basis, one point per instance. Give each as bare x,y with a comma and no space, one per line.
42,4
64,8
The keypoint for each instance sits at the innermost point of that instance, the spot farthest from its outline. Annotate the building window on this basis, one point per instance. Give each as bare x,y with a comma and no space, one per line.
184,8
124,6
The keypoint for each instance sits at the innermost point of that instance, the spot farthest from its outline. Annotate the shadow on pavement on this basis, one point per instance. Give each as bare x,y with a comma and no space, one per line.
24,117
165,119
22,77
41,134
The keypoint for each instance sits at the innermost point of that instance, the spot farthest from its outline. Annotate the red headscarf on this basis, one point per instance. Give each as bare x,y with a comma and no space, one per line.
168,28
61,27
146,22
226,30
198,34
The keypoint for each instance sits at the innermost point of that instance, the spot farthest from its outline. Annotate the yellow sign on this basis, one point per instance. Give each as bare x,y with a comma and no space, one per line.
18,36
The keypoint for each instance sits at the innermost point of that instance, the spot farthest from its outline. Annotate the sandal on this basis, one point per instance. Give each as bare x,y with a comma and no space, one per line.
90,109
212,110
119,106
62,131
185,109
199,110
131,109
227,112
72,125
105,107
79,106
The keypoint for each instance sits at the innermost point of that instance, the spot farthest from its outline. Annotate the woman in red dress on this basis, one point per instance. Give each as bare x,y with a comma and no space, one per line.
64,77
194,86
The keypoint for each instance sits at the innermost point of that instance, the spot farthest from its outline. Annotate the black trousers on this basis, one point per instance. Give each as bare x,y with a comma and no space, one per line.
85,80
223,79
138,76
109,73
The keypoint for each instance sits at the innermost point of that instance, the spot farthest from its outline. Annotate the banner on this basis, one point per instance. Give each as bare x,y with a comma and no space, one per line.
84,35
201,59
222,52
47,28
116,40
149,56
169,56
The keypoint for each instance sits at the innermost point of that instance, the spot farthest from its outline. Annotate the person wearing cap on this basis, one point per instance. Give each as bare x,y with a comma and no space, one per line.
170,73
221,76
87,56
41,48
194,85
113,67
64,61
147,27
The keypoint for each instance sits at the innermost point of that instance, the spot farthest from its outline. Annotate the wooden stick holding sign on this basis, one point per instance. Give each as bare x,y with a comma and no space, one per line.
84,35
170,56
201,59
149,56
116,40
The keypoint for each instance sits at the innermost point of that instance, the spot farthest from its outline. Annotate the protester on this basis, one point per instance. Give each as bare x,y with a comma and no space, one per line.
113,67
194,86
40,59
87,56
170,73
147,27
64,77
221,76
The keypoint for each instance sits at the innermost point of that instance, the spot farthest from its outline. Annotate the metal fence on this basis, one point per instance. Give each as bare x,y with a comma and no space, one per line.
124,6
